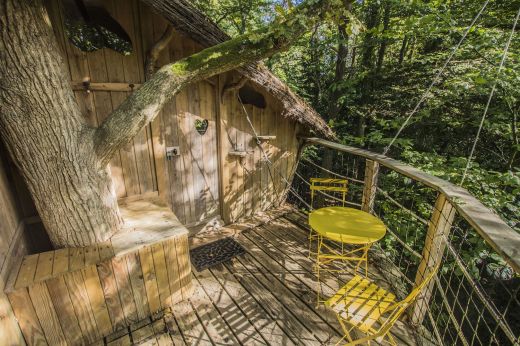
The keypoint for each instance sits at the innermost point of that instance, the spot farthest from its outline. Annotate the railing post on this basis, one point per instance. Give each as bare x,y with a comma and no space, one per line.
370,188
434,246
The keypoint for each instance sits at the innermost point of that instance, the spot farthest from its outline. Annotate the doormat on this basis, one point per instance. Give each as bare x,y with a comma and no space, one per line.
214,253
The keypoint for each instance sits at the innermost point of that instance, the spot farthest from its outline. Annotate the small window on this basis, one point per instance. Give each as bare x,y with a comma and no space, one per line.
90,27
250,96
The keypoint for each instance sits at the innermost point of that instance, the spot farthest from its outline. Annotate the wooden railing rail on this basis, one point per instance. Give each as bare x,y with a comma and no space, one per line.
502,238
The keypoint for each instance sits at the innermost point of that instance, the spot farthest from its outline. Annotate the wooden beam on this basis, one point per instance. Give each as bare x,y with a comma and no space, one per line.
370,187
502,238
434,246
88,86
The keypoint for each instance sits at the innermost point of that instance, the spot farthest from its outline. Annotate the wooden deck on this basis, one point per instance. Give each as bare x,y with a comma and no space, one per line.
266,297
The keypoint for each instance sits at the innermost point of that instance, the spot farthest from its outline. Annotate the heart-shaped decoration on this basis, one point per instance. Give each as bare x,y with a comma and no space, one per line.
201,126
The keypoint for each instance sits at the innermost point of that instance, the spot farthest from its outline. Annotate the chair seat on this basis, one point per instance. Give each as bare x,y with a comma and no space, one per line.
361,302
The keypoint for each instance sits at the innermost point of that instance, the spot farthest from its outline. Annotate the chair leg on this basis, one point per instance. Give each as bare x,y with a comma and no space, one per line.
310,243
320,240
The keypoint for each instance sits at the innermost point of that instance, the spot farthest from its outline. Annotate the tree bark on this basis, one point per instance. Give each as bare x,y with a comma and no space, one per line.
384,41
45,134
62,159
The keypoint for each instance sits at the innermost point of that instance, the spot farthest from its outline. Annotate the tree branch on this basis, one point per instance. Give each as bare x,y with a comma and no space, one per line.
153,53
141,107
193,23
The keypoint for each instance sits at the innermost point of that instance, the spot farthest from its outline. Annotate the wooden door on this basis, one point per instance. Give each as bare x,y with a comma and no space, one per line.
193,174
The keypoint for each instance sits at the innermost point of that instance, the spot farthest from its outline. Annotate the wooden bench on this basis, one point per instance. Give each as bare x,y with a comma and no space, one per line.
79,295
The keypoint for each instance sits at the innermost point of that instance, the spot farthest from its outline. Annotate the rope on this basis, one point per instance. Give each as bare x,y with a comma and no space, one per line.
331,172
266,159
435,79
491,94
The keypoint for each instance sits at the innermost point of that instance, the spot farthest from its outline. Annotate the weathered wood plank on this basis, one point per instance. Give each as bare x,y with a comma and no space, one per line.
270,328
124,289
170,252
138,287
152,291
274,308
82,306
173,329
183,262
110,292
161,275
27,318
216,327
230,312
44,266
59,294
189,324
300,301
97,300
46,313
27,271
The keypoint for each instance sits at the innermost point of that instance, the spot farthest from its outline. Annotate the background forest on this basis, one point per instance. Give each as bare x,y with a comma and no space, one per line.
366,74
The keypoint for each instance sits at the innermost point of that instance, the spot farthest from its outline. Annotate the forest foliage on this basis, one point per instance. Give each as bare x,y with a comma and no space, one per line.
365,73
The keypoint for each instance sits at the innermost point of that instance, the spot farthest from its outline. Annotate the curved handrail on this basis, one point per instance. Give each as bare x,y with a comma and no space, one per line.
502,238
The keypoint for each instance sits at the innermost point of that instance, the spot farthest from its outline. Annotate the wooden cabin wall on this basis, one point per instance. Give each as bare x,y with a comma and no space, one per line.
250,184
13,246
133,168
204,182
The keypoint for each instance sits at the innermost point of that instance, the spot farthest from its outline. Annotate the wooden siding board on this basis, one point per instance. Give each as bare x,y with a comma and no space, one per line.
46,313
82,306
59,294
113,302
170,253
152,291
138,287
97,300
161,275
124,289
27,318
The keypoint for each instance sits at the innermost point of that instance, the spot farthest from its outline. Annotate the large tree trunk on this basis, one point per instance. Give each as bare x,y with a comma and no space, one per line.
62,159
44,132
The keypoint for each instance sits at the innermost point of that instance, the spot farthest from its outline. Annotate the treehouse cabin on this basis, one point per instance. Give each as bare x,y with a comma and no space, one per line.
223,161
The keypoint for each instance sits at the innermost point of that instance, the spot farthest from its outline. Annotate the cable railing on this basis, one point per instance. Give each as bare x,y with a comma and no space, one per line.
475,297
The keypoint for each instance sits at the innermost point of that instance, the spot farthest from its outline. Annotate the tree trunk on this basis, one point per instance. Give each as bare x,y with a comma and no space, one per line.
339,75
45,134
384,40
402,51
62,159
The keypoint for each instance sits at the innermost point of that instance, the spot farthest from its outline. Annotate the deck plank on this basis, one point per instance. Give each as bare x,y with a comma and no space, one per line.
299,286
231,313
213,323
190,326
276,309
255,312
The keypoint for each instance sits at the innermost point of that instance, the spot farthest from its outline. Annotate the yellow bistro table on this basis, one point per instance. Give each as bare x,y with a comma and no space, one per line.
346,226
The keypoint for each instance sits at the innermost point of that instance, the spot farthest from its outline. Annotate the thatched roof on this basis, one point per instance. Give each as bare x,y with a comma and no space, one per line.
188,20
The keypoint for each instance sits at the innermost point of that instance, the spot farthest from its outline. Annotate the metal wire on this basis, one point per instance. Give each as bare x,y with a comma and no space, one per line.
491,94
435,79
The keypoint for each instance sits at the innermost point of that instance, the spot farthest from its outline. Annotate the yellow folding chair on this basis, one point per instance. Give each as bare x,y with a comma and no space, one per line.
371,309
334,186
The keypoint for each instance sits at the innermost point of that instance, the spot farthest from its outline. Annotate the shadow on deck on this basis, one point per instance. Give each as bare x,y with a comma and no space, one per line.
265,297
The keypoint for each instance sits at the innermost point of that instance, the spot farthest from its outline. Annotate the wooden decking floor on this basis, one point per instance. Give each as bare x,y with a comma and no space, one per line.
266,297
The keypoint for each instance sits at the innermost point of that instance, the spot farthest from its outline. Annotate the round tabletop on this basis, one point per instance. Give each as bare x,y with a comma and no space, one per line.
347,225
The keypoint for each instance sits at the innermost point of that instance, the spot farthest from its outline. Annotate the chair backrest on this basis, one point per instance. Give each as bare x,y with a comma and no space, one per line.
339,186
400,307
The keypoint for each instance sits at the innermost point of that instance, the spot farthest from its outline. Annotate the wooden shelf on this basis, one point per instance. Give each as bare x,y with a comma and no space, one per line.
266,138
238,153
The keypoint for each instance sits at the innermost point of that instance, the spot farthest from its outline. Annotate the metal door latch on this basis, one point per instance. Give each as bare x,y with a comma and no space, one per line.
171,152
